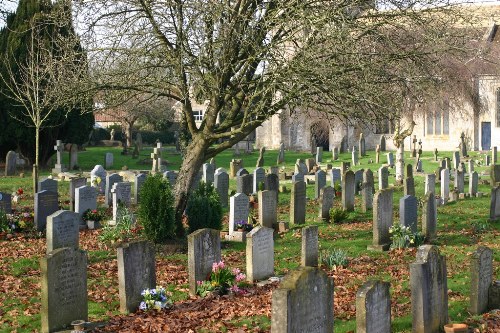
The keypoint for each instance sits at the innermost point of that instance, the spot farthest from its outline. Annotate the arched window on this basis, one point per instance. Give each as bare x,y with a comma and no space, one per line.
438,118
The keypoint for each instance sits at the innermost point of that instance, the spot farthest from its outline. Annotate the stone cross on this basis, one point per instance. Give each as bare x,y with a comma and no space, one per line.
59,148
155,155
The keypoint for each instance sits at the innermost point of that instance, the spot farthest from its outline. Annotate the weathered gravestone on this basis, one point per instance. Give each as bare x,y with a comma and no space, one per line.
409,170
298,203
348,190
64,288
301,167
481,278
48,185
319,155
430,183
260,254
319,183
459,181
445,185
121,194
335,176
221,184
203,251
171,176
85,198
495,203
98,178
362,145
382,143
408,206
429,217
139,180
267,208
73,156
344,167
429,291
473,182
74,183
110,181
244,184
5,202
281,154
62,230
238,210
470,165
10,163
208,173
46,203
259,175
326,202
409,186
303,302
358,180
309,253
354,156
136,272
234,167
382,220
383,178
373,308
367,191
108,160
272,183
310,164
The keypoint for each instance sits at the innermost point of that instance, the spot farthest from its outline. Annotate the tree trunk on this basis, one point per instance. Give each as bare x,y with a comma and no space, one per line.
37,157
128,132
191,164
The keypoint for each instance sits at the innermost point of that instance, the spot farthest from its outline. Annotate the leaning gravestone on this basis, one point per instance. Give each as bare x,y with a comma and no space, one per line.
481,278
10,163
85,198
259,176
136,272
303,302
48,185
108,160
203,251
260,254
138,182
238,210
382,220
408,206
383,178
74,183
495,203
320,182
298,203
473,182
62,230
64,288
208,173
429,217
46,203
373,308
348,190
429,290
267,208
326,202
5,202
110,181
221,184
310,246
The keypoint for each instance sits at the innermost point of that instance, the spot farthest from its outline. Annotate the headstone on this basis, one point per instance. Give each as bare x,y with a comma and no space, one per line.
64,288
459,181
48,185
74,183
310,164
326,203
494,155
481,278
214,165
470,165
234,166
358,180
429,217
456,159
301,167
383,178
10,163
297,177
335,153
344,167
268,208
319,155
443,164
171,176
98,178
281,154
138,182
429,291
59,167
85,198
46,203
260,254
298,203
303,302
367,191
121,194
362,145
487,160
260,160
494,175
136,272
272,183
319,183
108,160
208,173
382,143
473,182
62,230
5,202
409,171
430,183
238,210
390,159
409,186
377,154
382,220
445,185
495,203
275,170
203,251
73,156
244,184
447,163
310,246
242,172
335,176
373,308
259,175
110,181
221,183
348,190
355,156
408,207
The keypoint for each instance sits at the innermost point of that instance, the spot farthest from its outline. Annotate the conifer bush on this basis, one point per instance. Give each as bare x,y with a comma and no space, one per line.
204,209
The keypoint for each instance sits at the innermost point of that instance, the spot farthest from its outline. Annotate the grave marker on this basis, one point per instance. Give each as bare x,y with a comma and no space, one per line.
259,175
373,307
267,208
108,160
430,183
310,246
221,183
260,254
98,178
46,203
383,178
138,182
481,278
326,203
348,190
62,230
48,185
409,186
382,220
319,155
110,181
5,202
408,207
298,203
203,251
208,173
73,156
445,185
121,193
244,184
459,181
59,167
319,183
85,198
74,183
238,210
473,182
429,217
11,163
335,176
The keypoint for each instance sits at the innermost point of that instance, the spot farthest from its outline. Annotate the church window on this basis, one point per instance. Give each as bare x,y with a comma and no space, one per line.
198,115
438,119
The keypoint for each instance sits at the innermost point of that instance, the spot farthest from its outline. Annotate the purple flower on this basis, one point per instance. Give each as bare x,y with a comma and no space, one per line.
143,306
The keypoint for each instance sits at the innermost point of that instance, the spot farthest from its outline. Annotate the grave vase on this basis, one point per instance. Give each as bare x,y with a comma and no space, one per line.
456,328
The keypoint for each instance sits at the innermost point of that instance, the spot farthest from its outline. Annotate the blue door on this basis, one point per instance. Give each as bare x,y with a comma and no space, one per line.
485,135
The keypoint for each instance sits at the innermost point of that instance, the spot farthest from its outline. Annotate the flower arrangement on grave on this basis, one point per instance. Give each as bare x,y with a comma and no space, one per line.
244,225
125,230
222,280
96,181
402,237
155,298
92,215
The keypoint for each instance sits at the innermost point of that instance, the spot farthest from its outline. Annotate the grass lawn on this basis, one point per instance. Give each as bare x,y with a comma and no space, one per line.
462,227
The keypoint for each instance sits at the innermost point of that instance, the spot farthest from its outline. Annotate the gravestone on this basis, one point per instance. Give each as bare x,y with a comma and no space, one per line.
138,182
260,160
408,207
5,202
456,160
46,203
335,153
383,178
429,217
335,176
297,177
98,178
495,175
382,220
136,272
367,191
272,183
171,176
358,180
242,172
221,183
110,181
156,157
470,165
355,156
310,245
462,167
495,203
319,155
85,198
344,167
259,175
419,168
409,170
373,308
459,181
377,154
303,302
326,202
108,160
234,166
244,184
298,203
208,173
238,210
362,145
74,183
348,190
382,143
494,155
11,163
62,230
48,185
301,167
121,194
281,154
319,183
203,251
473,182
445,185
64,288
214,165
481,278
487,160
260,254
409,186
430,183
73,156
447,163
429,290
59,167
390,159
268,209
310,164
